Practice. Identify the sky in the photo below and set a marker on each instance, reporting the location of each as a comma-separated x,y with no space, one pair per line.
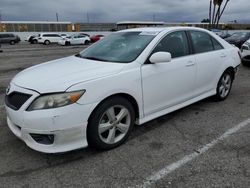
118,10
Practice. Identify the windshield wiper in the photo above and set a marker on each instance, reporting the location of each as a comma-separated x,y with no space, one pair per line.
93,58
78,55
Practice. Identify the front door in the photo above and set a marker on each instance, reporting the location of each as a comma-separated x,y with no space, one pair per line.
171,83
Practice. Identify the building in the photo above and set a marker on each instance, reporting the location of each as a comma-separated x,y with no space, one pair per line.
30,26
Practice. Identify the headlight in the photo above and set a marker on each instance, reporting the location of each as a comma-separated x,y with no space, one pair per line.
55,100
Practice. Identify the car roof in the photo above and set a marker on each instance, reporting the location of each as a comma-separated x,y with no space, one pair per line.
161,29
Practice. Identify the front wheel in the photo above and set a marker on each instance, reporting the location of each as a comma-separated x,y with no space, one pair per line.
46,42
224,86
86,42
110,124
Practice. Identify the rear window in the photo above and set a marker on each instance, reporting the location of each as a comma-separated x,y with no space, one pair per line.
201,41
217,45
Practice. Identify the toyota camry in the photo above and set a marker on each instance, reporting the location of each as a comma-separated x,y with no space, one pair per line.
94,98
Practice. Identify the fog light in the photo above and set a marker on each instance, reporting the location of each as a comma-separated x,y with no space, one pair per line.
43,139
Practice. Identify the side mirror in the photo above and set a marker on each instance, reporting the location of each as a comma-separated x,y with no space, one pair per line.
160,57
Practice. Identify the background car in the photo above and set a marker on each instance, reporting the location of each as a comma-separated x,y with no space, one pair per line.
238,39
33,39
63,35
95,38
75,40
245,53
9,38
48,38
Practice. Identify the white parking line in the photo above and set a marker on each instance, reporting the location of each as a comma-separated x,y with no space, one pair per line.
174,166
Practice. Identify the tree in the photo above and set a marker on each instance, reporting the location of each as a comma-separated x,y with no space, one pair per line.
205,20
217,12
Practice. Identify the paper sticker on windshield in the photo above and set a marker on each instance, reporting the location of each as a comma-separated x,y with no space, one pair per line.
154,33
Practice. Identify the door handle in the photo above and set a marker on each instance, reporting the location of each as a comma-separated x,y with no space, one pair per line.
190,63
223,55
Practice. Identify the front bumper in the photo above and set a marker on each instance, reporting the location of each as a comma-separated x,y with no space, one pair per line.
67,124
62,42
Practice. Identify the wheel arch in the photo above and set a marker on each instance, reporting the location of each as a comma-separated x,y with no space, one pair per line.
231,71
129,97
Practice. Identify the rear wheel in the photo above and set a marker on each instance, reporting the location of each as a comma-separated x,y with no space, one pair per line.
224,86
110,124
86,42
12,42
46,42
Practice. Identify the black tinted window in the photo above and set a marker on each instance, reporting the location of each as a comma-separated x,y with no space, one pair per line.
4,35
51,35
175,43
217,45
202,42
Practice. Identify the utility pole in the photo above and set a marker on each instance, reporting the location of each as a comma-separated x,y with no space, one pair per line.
0,15
87,17
57,17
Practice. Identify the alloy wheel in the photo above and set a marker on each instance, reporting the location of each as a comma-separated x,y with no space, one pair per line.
225,85
114,124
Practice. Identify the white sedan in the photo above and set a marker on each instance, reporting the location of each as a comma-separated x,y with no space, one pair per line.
132,76
75,40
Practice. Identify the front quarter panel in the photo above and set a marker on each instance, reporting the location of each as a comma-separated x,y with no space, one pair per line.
127,81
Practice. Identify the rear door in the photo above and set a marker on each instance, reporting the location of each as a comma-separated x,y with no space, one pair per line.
210,57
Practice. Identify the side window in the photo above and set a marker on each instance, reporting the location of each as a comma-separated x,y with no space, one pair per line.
202,42
175,43
217,45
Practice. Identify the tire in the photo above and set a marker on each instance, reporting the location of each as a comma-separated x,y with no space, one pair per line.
35,41
67,43
12,42
118,116
86,42
46,42
224,86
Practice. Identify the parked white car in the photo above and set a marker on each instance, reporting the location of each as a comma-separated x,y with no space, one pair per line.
245,53
75,40
131,76
48,38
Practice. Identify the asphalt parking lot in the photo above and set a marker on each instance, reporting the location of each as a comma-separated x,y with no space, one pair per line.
206,144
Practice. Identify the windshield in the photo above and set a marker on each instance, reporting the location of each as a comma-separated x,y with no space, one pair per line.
121,47
238,35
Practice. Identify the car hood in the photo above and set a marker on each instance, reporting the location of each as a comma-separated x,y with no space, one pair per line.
59,75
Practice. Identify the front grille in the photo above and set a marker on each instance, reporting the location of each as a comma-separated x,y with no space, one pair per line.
15,100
